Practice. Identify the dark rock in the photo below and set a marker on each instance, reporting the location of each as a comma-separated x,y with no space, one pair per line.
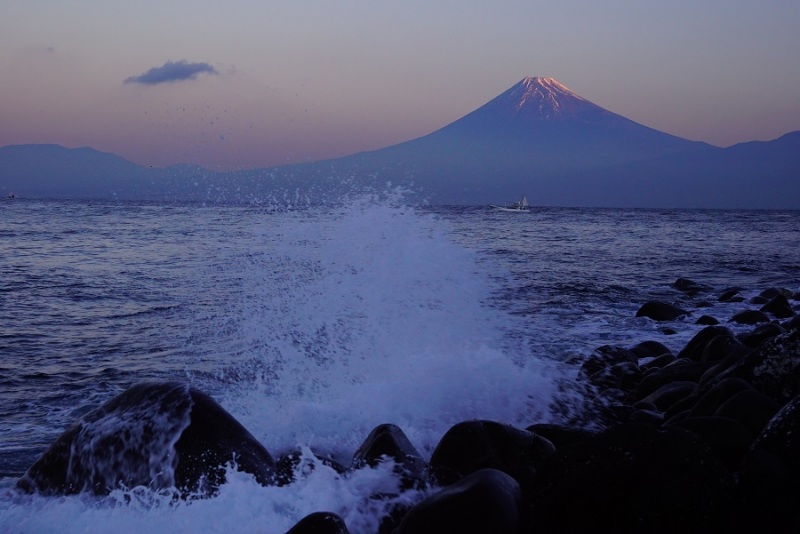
772,292
158,435
707,320
293,461
320,523
634,478
696,347
610,396
685,404
642,405
214,438
689,286
560,435
729,294
773,368
473,445
751,408
624,375
779,307
660,311
679,370
604,357
670,393
771,477
389,441
676,417
715,395
728,439
781,436
657,363
613,414
792,324
721,367
647,417
750,317
719,348
650,349
487,500
760,333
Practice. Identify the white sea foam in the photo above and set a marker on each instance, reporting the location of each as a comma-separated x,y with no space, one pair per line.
241,506
370,316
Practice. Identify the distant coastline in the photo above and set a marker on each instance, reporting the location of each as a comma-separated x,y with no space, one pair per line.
538,137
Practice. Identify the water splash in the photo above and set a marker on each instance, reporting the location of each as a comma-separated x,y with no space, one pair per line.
368,314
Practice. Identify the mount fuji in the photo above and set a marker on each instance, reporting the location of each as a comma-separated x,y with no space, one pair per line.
544,140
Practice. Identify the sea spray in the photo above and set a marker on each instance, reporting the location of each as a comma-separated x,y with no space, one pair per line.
242,505
371,314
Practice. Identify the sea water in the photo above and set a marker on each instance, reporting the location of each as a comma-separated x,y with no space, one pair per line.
314,325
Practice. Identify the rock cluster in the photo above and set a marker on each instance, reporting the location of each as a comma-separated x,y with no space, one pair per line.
705,440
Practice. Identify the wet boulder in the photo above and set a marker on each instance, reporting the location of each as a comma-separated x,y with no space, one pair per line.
714,395
302,462
779,307
623,375
707,320
680,370
760,334
560,435
697,348
751,408
727,438
731,295
771,476
320,523
773,368
660,311
603,358
781,436
750,317
793,323
772,292
387,441
665,396
487,500
650,349
689,286
473,445
657,363
158,435
634,478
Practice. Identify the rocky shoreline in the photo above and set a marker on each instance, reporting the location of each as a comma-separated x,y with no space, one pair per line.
705,440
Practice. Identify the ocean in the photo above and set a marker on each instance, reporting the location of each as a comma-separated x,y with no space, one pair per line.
312,325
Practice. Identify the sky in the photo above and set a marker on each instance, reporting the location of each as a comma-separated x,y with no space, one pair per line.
254,83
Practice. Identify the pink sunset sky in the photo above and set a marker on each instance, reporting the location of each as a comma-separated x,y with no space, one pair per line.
246,83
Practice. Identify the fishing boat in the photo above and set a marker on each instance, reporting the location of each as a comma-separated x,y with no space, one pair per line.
518,207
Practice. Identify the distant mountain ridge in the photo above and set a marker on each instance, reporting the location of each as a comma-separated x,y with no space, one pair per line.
538,137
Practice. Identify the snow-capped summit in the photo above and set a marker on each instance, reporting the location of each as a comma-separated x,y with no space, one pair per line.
543,99
533,103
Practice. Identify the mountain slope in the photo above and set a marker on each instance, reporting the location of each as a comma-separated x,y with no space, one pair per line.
53,171
529,138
